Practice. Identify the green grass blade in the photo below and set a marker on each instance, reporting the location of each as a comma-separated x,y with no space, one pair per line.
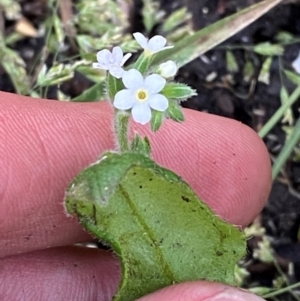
205,39
95,93
279,113
281,291
14,65
286,150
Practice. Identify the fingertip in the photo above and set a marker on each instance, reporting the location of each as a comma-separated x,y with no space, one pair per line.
65,273
223,160
200,291
47,143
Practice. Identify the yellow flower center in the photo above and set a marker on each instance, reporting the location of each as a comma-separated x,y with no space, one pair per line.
142,95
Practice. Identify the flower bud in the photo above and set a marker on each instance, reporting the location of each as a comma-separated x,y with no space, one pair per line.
167,69
296,64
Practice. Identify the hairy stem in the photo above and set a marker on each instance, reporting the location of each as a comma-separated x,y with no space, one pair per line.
121,131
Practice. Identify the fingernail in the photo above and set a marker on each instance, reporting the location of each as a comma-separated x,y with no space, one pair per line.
234,295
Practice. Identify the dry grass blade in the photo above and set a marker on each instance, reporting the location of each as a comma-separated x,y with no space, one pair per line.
205,39
66,11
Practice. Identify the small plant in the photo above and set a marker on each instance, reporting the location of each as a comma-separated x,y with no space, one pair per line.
144,211
154,222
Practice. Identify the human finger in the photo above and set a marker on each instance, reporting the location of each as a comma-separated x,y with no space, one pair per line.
76,273
200,291
46,143
65,273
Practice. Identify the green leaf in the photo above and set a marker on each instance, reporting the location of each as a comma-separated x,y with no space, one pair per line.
177,18
232,65
93,74
141,145
15,68
174,111
90,44
191,47
94,93
58,28
293,77
287,150
55,75
248,70
264,75
156,120
178,91
143,62
114,85
87,43
162,233
278,114
284,37
268,49
150,14
288,115
130,45
284,95
106,19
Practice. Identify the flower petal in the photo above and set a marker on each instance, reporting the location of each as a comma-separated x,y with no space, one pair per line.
154,83
158,102
133,79
141,39
104,57
116,71
124,100
141,112
168,47
117,55
156,43
125,58
98,66
296,64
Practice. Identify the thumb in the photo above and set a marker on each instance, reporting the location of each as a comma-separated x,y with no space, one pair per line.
200,291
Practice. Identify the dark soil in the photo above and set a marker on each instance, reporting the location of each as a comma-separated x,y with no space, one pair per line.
281,216
251,102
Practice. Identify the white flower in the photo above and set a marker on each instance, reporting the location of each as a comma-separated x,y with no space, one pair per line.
296,64
167,69
141,95
112,61
154,45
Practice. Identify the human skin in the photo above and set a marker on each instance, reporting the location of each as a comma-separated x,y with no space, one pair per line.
45,143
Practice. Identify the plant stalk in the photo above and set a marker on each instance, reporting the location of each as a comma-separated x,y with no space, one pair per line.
121,130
